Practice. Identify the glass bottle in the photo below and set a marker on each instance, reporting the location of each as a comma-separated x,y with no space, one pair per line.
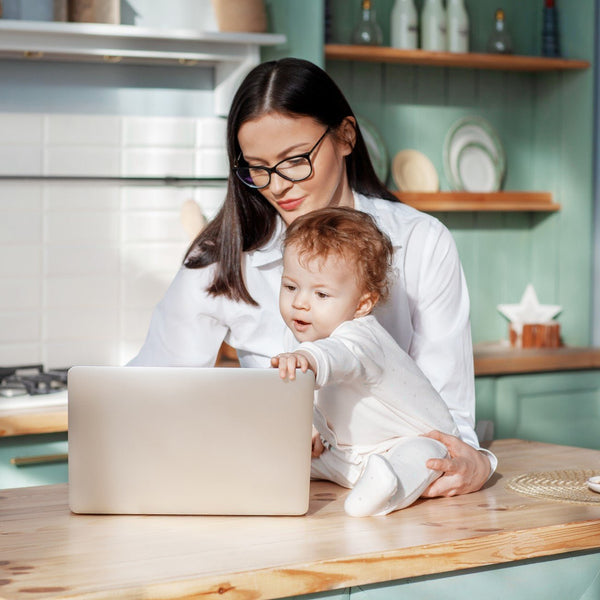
500,41
433,26
404,25
367,32
457,26
550,35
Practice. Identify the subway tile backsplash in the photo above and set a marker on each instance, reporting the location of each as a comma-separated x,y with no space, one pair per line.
83,262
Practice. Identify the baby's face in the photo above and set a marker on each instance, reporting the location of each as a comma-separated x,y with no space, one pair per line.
317,296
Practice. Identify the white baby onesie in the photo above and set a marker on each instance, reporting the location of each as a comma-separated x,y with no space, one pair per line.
372,404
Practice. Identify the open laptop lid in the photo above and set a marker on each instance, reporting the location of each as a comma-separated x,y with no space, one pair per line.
178,440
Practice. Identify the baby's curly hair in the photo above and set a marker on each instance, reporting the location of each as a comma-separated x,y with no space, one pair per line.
351,234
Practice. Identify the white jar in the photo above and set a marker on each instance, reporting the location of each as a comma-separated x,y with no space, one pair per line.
404,25
433,26
457,21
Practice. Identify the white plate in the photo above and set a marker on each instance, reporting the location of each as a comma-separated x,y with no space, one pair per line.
471,130
376,147
594,483
414,172
477,170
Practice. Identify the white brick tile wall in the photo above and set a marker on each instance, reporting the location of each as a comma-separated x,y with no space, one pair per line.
19,326
21,160
20,196
84,291
20,227
65,261
81,227
211,132
157,162
155,132
21,353
211,162
21,129
20,293
20,260
83,263
83,130
82,160
81,324
81,197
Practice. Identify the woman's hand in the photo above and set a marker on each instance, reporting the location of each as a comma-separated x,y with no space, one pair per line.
317,444
288,362
465,471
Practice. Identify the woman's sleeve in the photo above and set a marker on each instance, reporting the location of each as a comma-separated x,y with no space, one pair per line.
182,331
441,344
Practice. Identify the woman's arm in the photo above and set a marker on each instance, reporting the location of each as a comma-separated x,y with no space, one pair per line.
442,348
182,331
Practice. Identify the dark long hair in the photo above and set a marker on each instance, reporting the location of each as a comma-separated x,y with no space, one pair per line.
246,221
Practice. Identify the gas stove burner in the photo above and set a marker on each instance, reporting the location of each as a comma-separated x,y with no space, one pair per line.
31,380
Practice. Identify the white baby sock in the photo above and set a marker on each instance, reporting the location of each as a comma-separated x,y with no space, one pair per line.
395,482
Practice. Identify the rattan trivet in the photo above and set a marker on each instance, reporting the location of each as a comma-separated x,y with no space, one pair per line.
567,486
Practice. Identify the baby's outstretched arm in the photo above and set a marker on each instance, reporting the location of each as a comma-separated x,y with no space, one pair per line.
288,362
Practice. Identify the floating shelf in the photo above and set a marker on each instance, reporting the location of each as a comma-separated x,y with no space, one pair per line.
496,358
470,60
475,201
232,55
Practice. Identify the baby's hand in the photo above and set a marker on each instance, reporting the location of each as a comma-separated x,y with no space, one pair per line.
288,362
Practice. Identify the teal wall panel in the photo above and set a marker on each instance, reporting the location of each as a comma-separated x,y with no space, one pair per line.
303,25
544,121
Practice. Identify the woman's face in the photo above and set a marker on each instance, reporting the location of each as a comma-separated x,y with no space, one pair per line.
273,137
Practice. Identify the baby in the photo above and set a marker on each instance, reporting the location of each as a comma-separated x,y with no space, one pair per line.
373,402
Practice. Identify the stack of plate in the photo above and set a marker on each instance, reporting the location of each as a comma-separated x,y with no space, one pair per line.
474,158
414,172
376,148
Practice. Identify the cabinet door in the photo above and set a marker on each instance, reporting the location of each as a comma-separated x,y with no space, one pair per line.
561,408
45,461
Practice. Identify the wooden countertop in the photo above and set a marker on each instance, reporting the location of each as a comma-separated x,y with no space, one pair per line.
49,552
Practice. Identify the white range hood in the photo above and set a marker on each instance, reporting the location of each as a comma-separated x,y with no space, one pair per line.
232,55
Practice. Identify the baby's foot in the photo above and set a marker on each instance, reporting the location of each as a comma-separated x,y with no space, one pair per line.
374,490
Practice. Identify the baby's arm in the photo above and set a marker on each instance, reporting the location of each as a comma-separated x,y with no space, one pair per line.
288,362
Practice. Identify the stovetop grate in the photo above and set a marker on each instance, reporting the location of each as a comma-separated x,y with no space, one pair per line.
32,380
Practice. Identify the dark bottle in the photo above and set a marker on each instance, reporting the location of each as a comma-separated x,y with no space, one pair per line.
500,41
550,34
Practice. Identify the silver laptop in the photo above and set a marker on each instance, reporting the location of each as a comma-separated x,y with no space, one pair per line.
151,440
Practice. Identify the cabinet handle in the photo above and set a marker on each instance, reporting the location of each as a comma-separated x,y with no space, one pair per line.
27,461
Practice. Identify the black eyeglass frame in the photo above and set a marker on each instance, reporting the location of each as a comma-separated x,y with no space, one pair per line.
271,170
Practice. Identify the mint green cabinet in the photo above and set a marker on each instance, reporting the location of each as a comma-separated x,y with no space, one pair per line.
571,577
34,447
560,407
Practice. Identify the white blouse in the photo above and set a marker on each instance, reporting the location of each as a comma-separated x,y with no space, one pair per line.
427,312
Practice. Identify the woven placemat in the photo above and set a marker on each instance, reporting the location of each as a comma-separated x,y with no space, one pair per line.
566,485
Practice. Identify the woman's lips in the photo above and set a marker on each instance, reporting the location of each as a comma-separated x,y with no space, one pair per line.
290,204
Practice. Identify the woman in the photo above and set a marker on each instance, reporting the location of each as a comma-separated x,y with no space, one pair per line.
294,146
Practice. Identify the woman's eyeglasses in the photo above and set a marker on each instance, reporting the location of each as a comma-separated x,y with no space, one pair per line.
294,168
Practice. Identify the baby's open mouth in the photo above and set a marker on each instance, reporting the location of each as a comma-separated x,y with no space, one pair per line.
298,324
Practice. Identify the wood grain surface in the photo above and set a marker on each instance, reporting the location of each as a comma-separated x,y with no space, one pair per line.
51,553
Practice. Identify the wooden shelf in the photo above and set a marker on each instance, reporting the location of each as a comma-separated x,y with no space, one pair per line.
471,60
497,358
474,201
